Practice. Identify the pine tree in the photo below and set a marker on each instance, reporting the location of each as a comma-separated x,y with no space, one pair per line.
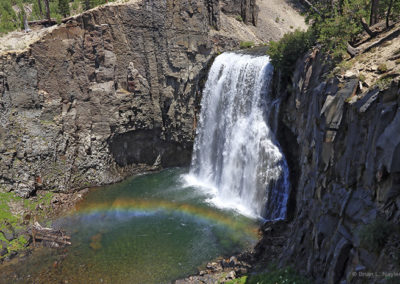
87,4
63,7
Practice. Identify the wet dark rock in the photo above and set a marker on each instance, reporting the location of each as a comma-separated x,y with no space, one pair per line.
222,270
3,251
11,255
366,101
8,233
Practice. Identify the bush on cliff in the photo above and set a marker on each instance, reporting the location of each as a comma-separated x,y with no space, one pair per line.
285,52
335,26
246,44
374,236
278,276
89,4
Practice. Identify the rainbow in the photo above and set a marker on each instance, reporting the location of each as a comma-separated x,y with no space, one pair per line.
152,206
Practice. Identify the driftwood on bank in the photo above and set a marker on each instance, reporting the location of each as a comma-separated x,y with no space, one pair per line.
56,238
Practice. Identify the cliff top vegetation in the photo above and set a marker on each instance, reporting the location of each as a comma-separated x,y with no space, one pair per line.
13,12
343,29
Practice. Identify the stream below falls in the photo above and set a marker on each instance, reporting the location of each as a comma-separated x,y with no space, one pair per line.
151,228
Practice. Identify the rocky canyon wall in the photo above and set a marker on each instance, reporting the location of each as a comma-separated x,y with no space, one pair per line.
343,144
246,9
106,94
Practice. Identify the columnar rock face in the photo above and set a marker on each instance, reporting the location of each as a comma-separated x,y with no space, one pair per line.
346,155
247,9
109,93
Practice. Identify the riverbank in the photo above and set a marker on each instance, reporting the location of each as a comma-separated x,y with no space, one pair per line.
18,215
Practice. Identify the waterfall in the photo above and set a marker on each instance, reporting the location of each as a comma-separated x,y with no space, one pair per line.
236,157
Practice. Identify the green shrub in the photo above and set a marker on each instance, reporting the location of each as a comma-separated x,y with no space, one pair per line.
285,52
89,4
278,276
382,68
374,236
385,80
239,18
241,280
246,44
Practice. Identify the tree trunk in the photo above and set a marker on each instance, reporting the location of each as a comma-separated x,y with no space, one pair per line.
337,5
26,26
40,9
366,28
351,50
388,13
374,12
46,2
312,7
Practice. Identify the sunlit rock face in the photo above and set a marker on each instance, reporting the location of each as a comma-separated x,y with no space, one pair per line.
105,83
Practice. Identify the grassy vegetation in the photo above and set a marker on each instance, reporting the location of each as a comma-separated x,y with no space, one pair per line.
278,276
239,18
384,81
382,68
241,280
246,44
374,236
273,276
10,221
6,198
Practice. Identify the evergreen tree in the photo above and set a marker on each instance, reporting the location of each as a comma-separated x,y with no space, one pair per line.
63,7
87,4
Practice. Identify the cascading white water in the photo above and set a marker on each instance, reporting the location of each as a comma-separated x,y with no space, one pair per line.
235,156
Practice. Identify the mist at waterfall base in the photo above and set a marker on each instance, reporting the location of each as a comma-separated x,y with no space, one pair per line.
236,158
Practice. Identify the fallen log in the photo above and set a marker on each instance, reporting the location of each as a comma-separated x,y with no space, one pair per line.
44,22
41,236
40,233
54,239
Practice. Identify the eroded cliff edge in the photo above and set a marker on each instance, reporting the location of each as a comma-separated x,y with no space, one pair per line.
108,93
342,142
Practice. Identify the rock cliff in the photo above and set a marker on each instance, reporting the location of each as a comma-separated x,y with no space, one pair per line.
106,94
246,9
343,146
